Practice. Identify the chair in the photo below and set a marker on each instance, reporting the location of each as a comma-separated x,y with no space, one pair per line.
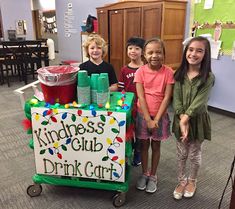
22,58
10,63
34,56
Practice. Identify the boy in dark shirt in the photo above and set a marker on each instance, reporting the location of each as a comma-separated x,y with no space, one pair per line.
96,48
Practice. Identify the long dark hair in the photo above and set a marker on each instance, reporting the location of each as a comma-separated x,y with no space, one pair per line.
205,67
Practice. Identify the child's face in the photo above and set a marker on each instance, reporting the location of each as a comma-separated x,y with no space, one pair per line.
154,55
195,53
134,52
95,52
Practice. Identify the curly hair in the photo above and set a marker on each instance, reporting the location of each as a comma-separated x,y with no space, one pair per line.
100,42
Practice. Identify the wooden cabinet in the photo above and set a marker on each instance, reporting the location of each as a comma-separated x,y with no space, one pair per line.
102,15
116,40
151,21
147,19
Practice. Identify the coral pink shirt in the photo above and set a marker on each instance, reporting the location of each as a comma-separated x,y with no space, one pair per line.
154,84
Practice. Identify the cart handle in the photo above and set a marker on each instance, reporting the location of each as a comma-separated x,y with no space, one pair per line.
20,91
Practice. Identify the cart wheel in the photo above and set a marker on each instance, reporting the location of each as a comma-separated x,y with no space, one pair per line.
34,190
119,199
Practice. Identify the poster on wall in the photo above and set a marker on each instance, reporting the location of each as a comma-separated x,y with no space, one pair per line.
79,143
233,51
208,4
69,21
215,48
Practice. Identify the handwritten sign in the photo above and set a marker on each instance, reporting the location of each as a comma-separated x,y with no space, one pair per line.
79,143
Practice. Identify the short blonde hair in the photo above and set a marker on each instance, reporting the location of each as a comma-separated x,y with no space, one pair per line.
100,42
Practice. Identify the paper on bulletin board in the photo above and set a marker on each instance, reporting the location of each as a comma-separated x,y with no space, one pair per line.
215,48
233,51
222,11
208,4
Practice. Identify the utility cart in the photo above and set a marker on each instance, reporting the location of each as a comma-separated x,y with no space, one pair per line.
81,146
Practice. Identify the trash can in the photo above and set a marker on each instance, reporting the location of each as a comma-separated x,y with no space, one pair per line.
58,83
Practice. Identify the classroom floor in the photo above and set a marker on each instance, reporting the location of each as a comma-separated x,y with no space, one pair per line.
18,167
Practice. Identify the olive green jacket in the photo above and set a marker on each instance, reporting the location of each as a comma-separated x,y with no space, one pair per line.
187,99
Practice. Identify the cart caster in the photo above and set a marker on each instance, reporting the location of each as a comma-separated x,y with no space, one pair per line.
34,190
119,199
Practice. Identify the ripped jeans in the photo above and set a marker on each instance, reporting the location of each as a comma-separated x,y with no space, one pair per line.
191,150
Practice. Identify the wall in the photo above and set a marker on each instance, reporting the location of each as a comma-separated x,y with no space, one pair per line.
222,95
13,11
70,47
43,5
50,6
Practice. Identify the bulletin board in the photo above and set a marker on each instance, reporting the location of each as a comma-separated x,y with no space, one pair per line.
223,11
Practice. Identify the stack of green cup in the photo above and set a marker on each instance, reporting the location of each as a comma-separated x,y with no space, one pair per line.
107,76
102,90
94,86
83,88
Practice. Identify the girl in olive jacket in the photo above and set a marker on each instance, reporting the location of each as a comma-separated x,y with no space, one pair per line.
191,124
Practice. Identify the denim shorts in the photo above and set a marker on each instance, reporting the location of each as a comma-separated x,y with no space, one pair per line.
157,134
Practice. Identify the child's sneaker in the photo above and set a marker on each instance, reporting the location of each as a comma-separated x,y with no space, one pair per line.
141,182
136,159
152,185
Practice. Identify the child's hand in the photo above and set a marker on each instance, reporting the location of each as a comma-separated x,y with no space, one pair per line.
156,123
184,127
151,124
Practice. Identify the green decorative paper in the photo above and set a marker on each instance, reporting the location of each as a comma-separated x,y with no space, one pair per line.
223,11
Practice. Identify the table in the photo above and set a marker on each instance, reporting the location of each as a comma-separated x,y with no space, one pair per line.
22,58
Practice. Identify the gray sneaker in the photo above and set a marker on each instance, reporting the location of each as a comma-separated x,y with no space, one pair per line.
152,185
141,182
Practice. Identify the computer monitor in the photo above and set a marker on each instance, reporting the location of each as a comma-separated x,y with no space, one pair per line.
11,35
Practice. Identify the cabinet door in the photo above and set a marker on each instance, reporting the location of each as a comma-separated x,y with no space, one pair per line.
116,39
151,21
173,32
102,16
132,27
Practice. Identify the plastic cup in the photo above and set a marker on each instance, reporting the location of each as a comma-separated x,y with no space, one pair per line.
94,81
105,75
83,80
102,84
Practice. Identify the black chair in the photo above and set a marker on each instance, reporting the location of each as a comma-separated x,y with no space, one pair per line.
22,58
10,63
